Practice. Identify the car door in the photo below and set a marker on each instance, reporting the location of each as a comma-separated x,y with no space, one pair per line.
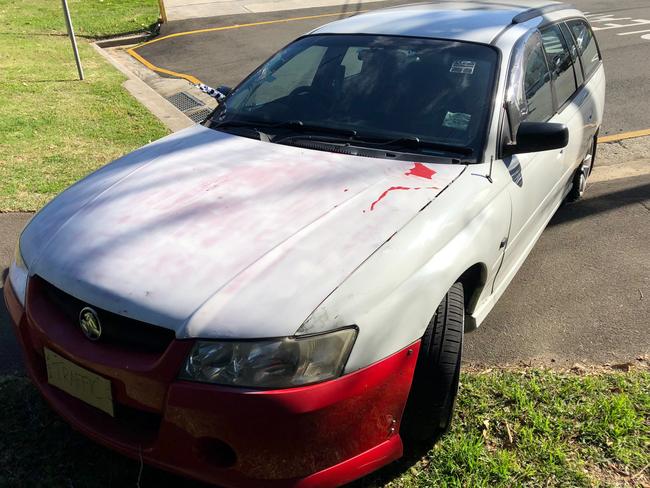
581,98
591,77
535,176
573,108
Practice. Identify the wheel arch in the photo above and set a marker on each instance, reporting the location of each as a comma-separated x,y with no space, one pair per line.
473,280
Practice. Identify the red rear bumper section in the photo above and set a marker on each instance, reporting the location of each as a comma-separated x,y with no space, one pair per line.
320,435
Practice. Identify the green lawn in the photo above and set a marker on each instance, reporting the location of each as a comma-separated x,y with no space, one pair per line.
91,18
513,428
54,128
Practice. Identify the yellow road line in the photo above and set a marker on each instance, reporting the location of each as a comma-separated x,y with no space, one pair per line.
625,135
193,79
153,67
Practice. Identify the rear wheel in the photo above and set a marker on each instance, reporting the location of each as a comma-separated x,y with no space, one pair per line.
431,401
582,173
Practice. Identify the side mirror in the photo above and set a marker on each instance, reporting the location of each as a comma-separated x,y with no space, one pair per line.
514,119
538,136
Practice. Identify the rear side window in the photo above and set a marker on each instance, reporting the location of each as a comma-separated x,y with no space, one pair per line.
573,49
537,84
587,46
560,63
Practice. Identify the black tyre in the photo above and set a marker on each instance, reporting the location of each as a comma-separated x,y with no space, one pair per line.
431,402
582,173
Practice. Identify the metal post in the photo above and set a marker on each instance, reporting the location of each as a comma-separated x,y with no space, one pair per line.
72,38
163,12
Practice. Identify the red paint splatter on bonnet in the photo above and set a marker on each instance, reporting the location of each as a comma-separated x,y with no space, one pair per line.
421,171
381,197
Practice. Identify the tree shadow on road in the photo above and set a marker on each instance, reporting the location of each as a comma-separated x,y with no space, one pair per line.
605,201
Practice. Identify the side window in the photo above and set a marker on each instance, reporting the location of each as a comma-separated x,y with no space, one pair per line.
587,46
559,60
575,57
537,86
296,72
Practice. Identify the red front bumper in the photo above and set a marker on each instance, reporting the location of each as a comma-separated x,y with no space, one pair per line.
319,435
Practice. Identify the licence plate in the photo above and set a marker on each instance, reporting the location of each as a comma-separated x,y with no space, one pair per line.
79,382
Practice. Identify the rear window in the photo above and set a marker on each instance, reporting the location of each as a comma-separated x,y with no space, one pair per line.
587,46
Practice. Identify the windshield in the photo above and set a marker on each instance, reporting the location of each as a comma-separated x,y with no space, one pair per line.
383,88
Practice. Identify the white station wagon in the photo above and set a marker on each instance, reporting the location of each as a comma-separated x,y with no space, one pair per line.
278,296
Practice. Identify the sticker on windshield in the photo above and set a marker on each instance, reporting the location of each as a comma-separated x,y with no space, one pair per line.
463,67
456,120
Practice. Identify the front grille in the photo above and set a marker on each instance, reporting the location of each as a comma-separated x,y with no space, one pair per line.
116,329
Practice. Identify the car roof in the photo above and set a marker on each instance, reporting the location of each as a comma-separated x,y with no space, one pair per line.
476,21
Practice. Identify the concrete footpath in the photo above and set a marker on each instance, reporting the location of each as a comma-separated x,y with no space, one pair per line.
195,9
582,296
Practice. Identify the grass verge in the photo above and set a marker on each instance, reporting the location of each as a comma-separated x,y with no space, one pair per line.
91,18
512,428
56,129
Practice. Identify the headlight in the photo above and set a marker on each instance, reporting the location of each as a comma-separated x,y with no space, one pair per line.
273,363
18,275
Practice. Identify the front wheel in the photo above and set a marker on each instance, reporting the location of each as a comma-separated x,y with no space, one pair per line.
431,401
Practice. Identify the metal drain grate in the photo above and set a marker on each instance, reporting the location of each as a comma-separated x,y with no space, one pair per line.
184,101
199,115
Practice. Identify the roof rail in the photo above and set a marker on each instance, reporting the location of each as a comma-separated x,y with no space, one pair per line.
531,13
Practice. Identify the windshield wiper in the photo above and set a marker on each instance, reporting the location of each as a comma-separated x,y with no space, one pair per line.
349,136
417,143
352,136
301,127
295,125
244,124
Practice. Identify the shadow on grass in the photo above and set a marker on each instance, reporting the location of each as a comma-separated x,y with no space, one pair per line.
68,80
152,30
412,454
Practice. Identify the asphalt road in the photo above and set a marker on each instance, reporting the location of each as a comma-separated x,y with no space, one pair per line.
582,296
225,57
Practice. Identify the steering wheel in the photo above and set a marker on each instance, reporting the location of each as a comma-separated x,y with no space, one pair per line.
317,97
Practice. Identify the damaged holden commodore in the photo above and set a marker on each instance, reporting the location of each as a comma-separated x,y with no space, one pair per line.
278,296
